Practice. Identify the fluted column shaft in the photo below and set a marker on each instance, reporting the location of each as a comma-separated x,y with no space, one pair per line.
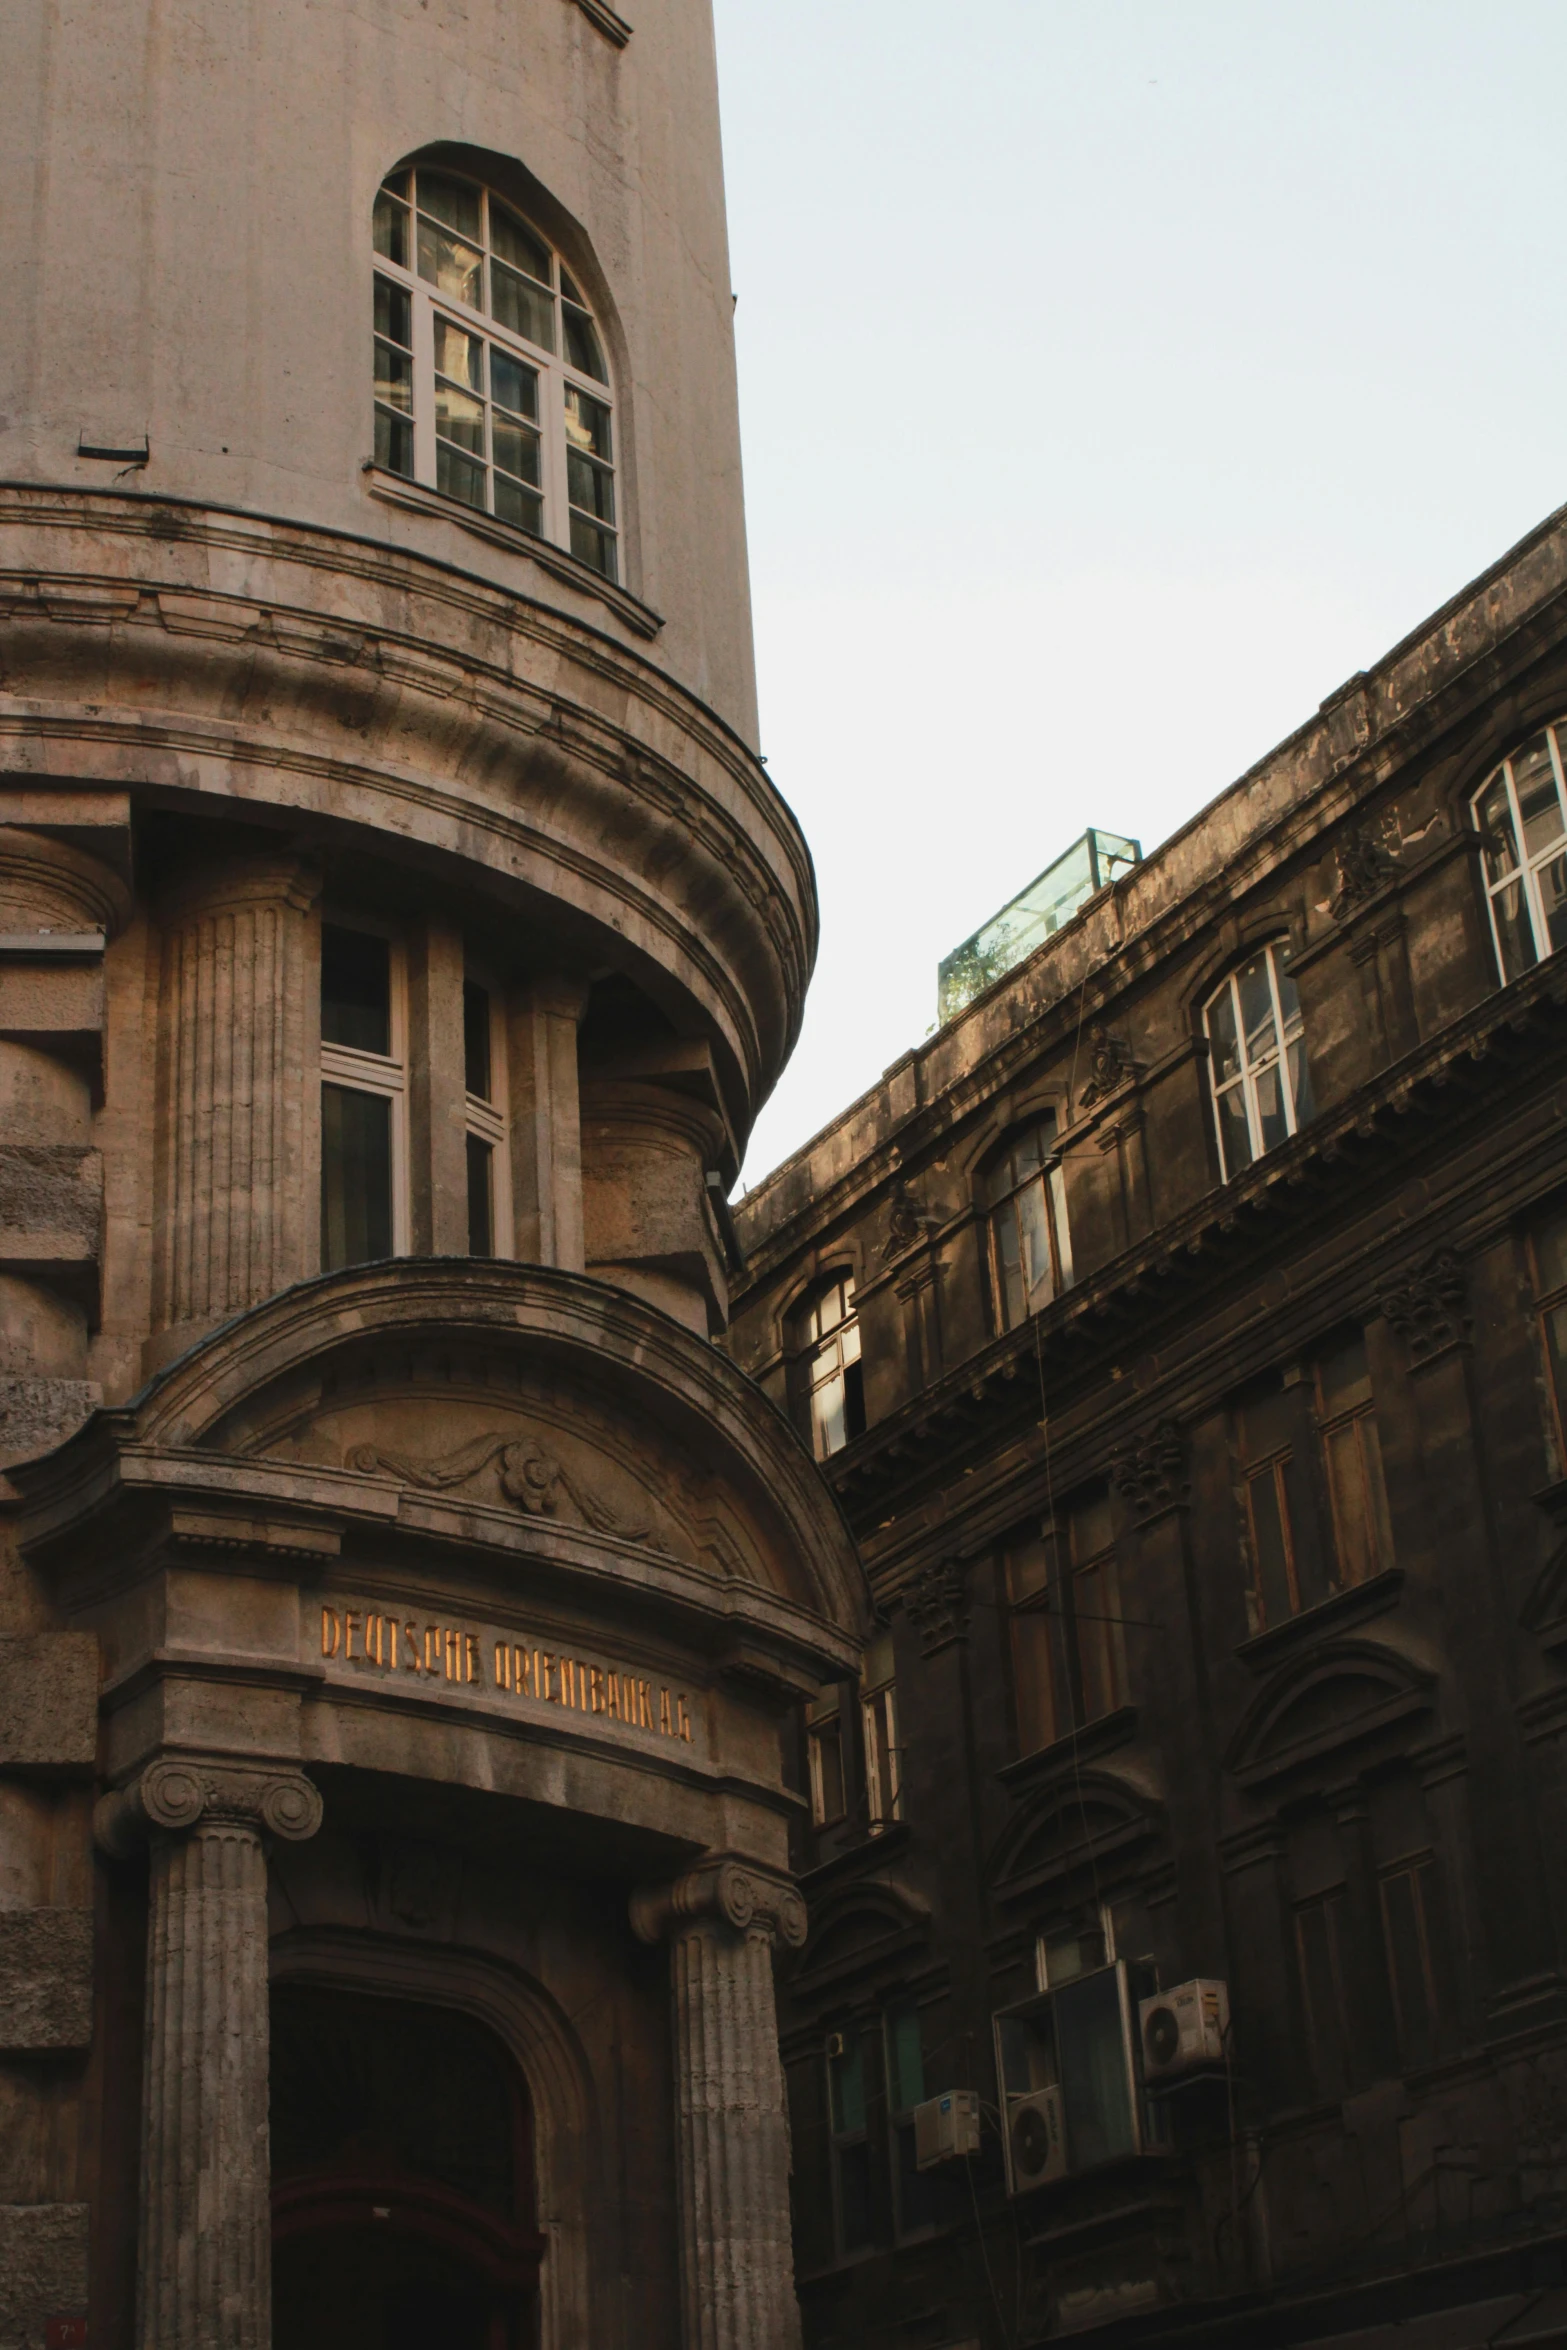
204,2263
732,2130
236,1220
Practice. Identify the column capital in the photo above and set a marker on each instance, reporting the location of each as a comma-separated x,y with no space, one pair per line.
176,1793
724,1890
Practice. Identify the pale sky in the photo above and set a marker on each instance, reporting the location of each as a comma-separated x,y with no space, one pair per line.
1116,378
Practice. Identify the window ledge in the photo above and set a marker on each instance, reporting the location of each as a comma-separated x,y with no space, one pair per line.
1064,1754
865,1850
1372,1598
415,498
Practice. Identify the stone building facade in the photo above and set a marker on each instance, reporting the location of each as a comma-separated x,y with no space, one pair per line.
1181,1328
400,1593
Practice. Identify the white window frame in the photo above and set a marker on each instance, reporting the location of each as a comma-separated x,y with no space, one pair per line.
1050,1177
490,1120
1248,1072
555,372
1526,868
830,1356
883,1803
387,1075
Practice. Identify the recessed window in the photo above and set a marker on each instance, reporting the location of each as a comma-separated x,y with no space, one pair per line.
363,1095
847,2119
1068,1657
1521,815
824,1741
833,1377
484,1112
490,379
1352,1457
1548,1261
879,1717
1296,1562
1030,1247
1256,1042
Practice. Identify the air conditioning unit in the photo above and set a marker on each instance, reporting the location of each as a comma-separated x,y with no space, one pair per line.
1036,2140
1183,2029
946,2128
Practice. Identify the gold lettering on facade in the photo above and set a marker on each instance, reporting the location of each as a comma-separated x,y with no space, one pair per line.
472,1662
331,1631
411,1662
350,1627
612,1695
665,1724
595,1689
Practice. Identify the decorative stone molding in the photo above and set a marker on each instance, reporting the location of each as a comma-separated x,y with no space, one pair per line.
176,1794
735,1893
528,1476
1150,1474
1110,1065
1364,867
1429,1306
936,1601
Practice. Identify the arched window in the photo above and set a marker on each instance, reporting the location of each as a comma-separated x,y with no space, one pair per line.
490,379
1521,813
1261,1089
1030,1247
832,1381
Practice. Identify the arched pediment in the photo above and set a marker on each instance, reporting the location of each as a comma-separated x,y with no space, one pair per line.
503,1404
1072,1825
856,1931
1334,1699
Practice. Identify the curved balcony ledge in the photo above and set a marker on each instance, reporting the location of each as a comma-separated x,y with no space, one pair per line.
195,654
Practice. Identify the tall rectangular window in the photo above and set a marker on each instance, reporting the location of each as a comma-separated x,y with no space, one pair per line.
1283,1577
1318,1946
484,1065
1068,1654
879,1716
918,2197
1352,1457
1408,1899
1548,1262
824,1740
363,1096
851,2152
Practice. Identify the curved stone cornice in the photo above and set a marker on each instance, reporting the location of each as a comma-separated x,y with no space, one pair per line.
742,1894
180,1792
569,1324
184,652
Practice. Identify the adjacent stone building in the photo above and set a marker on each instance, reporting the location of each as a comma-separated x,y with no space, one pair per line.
1183,1328
400,1593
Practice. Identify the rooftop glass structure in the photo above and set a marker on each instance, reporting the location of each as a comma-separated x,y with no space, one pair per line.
1011,936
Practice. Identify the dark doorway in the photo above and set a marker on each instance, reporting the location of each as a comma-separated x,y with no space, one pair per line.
402,2179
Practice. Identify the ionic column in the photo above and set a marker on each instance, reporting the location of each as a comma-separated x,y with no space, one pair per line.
204,2258
732,2131
238,1211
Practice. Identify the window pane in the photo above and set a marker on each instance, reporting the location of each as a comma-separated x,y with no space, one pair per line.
1270,1545
1234,1130
393,312
512,385
516,243
523,507
1272,1124
1095,2090
594,546
524,309
356,1177
1539,804
1222,1037
476,1039
1034,1240
1034,1679
456,202
827,1770
394,443
1514,933
391,229
394,377
881,1754
846,2084
459,477
1551,881
448,263
515,449
828,1433
1494,817
582,344
481,1198
459,356
1316,1929
905,2061
1403,1916
592,488
1009,1266
1257,1010
356,989
1300,1080
587,424
1353,1515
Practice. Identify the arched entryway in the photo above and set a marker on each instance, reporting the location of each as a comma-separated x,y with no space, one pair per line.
403,2204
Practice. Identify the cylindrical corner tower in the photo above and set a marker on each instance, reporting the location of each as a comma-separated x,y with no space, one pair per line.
398,932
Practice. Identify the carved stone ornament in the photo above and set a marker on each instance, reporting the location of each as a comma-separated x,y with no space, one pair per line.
1150,1475
1363,867
531,1478
1110,1064
739,1894
176,1794
1429,1306
936,1601
906,1225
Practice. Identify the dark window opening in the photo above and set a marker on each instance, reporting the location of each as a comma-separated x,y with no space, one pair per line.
481,1198
476,1039
356,990
356,1177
